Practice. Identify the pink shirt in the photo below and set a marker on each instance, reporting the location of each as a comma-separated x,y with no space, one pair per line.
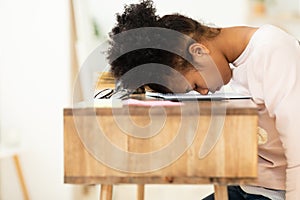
269,70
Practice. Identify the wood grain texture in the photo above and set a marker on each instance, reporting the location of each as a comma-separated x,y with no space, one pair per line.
233,159
140,192
106,192
105,80
221,192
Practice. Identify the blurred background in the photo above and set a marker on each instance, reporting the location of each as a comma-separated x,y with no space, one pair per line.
42,45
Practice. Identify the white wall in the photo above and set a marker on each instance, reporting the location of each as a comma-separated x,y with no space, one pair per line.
221,13
34,70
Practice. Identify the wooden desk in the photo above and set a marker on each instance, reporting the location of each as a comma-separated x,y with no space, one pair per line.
233,160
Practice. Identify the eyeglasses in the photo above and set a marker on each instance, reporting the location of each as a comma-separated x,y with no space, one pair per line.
104,94
121,93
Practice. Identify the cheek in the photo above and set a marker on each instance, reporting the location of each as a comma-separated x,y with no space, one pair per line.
179,84
212,77
211,74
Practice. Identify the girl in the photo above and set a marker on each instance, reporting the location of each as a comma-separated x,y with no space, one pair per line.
266,64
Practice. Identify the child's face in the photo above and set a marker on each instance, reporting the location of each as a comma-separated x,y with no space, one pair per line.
193,79
205,76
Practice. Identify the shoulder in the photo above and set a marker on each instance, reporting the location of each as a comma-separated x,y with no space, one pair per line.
271,42
272,36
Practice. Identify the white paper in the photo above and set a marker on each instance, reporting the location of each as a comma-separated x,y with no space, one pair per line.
197,96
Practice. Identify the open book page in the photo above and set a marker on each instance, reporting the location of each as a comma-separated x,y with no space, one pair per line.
193,95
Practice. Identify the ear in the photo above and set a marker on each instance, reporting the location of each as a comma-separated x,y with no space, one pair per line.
197,49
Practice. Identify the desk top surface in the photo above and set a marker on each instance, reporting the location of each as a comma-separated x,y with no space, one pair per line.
228,107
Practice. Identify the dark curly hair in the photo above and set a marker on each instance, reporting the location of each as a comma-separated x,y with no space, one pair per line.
132,45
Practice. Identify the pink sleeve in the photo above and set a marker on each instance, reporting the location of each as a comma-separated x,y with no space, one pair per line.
281,93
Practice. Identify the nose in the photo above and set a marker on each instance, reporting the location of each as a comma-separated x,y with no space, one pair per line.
203,91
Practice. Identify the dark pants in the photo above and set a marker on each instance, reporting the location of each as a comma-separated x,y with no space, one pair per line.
236,193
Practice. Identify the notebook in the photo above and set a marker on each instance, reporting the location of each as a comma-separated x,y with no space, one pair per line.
198,97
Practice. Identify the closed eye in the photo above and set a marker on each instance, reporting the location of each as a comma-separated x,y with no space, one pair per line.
195,87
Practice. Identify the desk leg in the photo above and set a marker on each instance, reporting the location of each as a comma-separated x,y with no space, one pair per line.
140,191
21,178
106,192
221,192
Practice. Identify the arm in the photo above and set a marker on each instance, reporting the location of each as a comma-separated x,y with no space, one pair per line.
281,90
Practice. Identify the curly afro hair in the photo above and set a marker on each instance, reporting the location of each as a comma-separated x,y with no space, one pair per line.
140,37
